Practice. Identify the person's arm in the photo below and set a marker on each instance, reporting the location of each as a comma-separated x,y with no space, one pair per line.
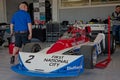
11,29
30,31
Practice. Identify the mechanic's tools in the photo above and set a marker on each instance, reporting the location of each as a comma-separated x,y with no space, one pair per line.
105,62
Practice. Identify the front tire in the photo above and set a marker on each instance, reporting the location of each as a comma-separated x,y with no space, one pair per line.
90,56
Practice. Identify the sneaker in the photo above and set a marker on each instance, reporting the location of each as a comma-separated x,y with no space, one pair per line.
12,60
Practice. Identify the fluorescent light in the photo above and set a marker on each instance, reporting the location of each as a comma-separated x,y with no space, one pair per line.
74,0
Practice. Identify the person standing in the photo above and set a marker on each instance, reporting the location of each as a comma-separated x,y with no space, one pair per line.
21,28
116,22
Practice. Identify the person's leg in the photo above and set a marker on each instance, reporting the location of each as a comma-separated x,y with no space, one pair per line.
16,48
119,33
114,30
25,38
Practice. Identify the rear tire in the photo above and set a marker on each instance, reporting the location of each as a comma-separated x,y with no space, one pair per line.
31,47
112,44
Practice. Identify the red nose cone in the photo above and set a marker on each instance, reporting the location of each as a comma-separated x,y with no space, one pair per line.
56,47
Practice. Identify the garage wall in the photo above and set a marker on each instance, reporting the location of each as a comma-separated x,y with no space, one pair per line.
2,11
12,6
71,15
85,14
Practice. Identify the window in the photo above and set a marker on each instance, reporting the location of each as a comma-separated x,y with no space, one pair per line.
79,3
99,2
70,3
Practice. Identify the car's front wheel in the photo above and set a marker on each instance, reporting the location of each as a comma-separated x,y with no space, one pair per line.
90,56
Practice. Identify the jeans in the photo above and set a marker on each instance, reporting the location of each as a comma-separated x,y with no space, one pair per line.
116,32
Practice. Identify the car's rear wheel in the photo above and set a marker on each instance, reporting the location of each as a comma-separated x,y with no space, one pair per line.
31,47
112,44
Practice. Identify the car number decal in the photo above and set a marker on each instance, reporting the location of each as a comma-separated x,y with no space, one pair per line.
30,58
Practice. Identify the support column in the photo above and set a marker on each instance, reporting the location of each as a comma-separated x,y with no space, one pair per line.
3,11
55,10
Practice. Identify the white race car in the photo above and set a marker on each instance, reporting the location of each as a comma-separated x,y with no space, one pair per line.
68,56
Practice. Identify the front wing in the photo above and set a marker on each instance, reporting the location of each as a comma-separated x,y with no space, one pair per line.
72,65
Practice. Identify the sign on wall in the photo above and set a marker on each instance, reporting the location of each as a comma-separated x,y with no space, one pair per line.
39,12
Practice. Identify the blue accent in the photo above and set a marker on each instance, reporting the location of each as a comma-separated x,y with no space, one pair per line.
21,65
96,49
17,69
77,50
76,63
62,72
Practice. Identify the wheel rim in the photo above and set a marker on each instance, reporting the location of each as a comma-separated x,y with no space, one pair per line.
94,56
114,45
36,48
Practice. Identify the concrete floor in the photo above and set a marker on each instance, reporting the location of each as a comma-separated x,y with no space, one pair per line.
112,72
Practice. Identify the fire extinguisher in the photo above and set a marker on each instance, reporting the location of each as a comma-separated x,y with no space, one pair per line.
12,45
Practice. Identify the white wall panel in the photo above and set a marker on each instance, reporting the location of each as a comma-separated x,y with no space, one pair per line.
2,11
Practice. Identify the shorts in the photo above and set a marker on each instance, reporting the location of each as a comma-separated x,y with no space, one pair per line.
21,39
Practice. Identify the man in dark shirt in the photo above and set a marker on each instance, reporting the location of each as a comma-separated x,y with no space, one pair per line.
116,22
21,27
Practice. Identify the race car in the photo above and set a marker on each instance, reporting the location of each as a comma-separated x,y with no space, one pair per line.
68,56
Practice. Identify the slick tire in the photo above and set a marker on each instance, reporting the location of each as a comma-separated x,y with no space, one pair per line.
31,47
112,44
90,56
